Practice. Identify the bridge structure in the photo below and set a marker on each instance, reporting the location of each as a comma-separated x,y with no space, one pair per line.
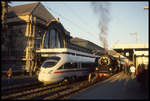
137,53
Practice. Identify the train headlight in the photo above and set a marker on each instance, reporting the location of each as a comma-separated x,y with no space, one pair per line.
97,69
110,69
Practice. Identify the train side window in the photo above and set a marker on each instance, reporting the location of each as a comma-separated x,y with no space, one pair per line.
87,65
79,65
49,64
70,65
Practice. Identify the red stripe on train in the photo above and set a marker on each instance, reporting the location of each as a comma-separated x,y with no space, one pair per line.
70,71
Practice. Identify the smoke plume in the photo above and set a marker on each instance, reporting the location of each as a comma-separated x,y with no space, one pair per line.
102,10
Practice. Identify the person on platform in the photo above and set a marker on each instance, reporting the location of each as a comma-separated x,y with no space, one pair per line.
132,70
9,75
125,68
128,69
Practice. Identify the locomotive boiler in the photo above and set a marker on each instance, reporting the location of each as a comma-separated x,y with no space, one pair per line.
107,64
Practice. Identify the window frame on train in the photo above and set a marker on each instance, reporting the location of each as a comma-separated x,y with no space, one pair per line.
77,65
68,65
53,59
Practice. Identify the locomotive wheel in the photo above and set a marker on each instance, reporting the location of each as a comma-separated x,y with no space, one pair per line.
115,70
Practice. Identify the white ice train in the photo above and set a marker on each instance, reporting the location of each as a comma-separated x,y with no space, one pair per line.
60,67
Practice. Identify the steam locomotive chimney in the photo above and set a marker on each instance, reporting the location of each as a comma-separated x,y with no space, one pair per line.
102,10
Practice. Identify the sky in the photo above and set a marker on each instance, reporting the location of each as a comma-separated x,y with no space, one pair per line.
81,21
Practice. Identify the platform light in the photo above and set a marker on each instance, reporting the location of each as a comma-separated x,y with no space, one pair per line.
127,53
146,7
136,36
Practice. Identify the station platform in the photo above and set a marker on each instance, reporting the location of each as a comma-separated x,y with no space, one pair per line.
119,87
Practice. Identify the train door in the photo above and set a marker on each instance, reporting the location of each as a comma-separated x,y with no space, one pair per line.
79,72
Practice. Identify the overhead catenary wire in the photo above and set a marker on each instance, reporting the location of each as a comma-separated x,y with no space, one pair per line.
69,21
76,25
80,18
76,14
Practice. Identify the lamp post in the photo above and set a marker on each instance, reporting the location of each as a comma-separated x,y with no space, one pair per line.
136,36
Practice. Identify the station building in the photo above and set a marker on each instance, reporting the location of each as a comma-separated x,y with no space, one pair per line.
30,28
137,53
23,35
87,44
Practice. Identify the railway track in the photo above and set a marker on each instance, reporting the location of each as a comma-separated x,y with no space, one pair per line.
19,88
83,86
25,90
52,91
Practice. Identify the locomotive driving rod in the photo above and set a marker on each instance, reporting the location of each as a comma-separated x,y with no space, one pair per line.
95,76
92,77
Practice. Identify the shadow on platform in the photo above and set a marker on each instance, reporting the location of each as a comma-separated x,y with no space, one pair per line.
119,87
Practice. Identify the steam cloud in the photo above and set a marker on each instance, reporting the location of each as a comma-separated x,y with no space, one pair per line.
102,10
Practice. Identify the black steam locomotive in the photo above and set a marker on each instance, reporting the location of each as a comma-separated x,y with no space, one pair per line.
107,64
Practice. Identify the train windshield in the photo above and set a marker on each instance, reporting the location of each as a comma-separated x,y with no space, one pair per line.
52,61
